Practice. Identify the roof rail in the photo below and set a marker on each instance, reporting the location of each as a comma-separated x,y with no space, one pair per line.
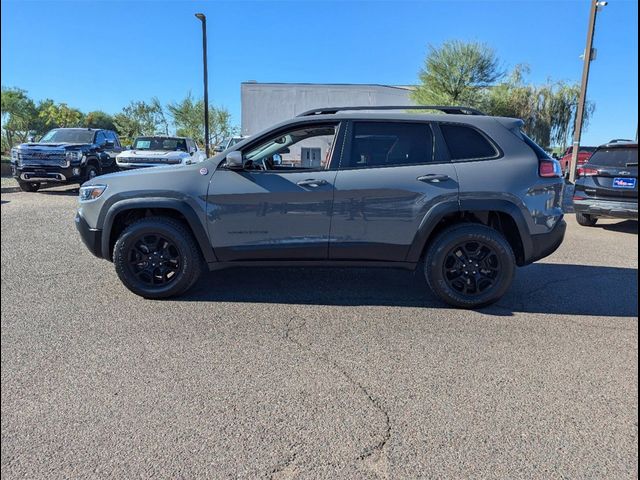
457,110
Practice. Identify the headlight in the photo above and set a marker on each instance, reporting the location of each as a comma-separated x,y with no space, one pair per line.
74,155
91,192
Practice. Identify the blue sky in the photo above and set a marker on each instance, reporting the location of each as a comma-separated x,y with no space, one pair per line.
100,55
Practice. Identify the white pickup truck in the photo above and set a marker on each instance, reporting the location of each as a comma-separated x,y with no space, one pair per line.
155,151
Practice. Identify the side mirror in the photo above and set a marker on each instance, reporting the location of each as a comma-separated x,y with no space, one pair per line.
31,139
128,147
108,144
218,149
235,161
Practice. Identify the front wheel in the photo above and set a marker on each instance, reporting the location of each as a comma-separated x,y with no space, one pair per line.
91,172
586,220
469,266
157,257
29,186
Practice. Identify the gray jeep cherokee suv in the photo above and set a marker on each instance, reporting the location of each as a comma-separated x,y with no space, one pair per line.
463,196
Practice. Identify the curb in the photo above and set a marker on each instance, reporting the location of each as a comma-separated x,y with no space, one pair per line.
10,189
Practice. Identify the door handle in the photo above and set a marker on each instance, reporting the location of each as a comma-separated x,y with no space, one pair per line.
433,178
311,182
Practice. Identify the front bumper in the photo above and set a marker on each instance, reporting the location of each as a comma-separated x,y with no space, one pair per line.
47,173
545,244
91,237
607,208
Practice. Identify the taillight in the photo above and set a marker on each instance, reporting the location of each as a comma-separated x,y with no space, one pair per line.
586,171
550,168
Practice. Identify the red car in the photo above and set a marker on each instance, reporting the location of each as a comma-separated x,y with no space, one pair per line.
584,154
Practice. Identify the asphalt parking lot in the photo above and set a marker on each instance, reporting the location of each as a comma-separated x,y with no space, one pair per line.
285,373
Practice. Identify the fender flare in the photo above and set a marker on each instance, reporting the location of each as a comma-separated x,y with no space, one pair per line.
168,203
441,210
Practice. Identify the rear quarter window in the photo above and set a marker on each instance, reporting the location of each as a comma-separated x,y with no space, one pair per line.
467,143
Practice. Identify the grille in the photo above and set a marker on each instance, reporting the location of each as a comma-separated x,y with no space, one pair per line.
35,158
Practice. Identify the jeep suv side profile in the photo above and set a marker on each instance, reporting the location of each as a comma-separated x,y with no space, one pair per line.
464,197
65,156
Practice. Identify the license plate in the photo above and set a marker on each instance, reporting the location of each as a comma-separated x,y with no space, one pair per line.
622,182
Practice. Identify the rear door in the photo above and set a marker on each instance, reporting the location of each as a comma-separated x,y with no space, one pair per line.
612,173
390,175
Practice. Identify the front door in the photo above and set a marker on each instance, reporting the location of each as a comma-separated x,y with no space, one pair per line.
276,208
391,175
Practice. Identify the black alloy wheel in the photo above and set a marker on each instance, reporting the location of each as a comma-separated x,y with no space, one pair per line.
469,265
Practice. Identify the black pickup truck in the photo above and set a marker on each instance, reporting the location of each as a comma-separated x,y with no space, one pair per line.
65,156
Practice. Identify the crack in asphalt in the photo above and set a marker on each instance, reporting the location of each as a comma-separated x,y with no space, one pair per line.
371,451
283,468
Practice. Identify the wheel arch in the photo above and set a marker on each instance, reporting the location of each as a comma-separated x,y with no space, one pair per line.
502,215
124,212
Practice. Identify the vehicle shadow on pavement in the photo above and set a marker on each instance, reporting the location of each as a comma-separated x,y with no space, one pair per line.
629,226
539,288
57,191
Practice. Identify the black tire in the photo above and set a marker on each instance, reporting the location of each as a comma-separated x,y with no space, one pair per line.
480,279
586,220
90,172
29,186
166,271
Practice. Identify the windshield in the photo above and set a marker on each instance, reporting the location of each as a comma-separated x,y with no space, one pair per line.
615,157
155,143
68,136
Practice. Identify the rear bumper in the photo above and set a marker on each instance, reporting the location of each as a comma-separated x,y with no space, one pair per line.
545,244
91,237
607,208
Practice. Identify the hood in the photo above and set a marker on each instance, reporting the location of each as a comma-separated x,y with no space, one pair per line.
160,175
53,146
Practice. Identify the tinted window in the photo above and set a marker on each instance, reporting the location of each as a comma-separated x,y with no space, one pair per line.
466,143
615,157
100,138
377,144
112,137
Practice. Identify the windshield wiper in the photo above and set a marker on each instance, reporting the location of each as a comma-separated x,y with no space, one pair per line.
634,164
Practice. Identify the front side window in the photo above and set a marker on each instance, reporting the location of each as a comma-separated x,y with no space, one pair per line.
466,143
113,138
381,144
306,147
100,138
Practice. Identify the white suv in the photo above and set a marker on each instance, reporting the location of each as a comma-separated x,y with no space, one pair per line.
159,150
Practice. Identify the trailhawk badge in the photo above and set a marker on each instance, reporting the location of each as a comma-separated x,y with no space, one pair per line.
204,171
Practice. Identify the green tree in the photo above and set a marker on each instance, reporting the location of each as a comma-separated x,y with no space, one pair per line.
56,115
459,73
188,117
141,118
19,116
456,73
99,119
548,110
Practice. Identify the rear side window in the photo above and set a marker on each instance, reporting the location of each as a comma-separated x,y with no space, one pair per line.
615,157
466,143
380,144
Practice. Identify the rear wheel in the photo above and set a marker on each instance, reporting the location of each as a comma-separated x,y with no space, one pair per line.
29,186
469,265
586,220
157,257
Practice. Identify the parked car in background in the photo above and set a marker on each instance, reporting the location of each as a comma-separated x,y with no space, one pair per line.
228,143
583,155
607,185
154,151
65,156
441,193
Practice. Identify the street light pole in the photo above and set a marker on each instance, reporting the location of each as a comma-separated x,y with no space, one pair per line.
588,57
203,19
